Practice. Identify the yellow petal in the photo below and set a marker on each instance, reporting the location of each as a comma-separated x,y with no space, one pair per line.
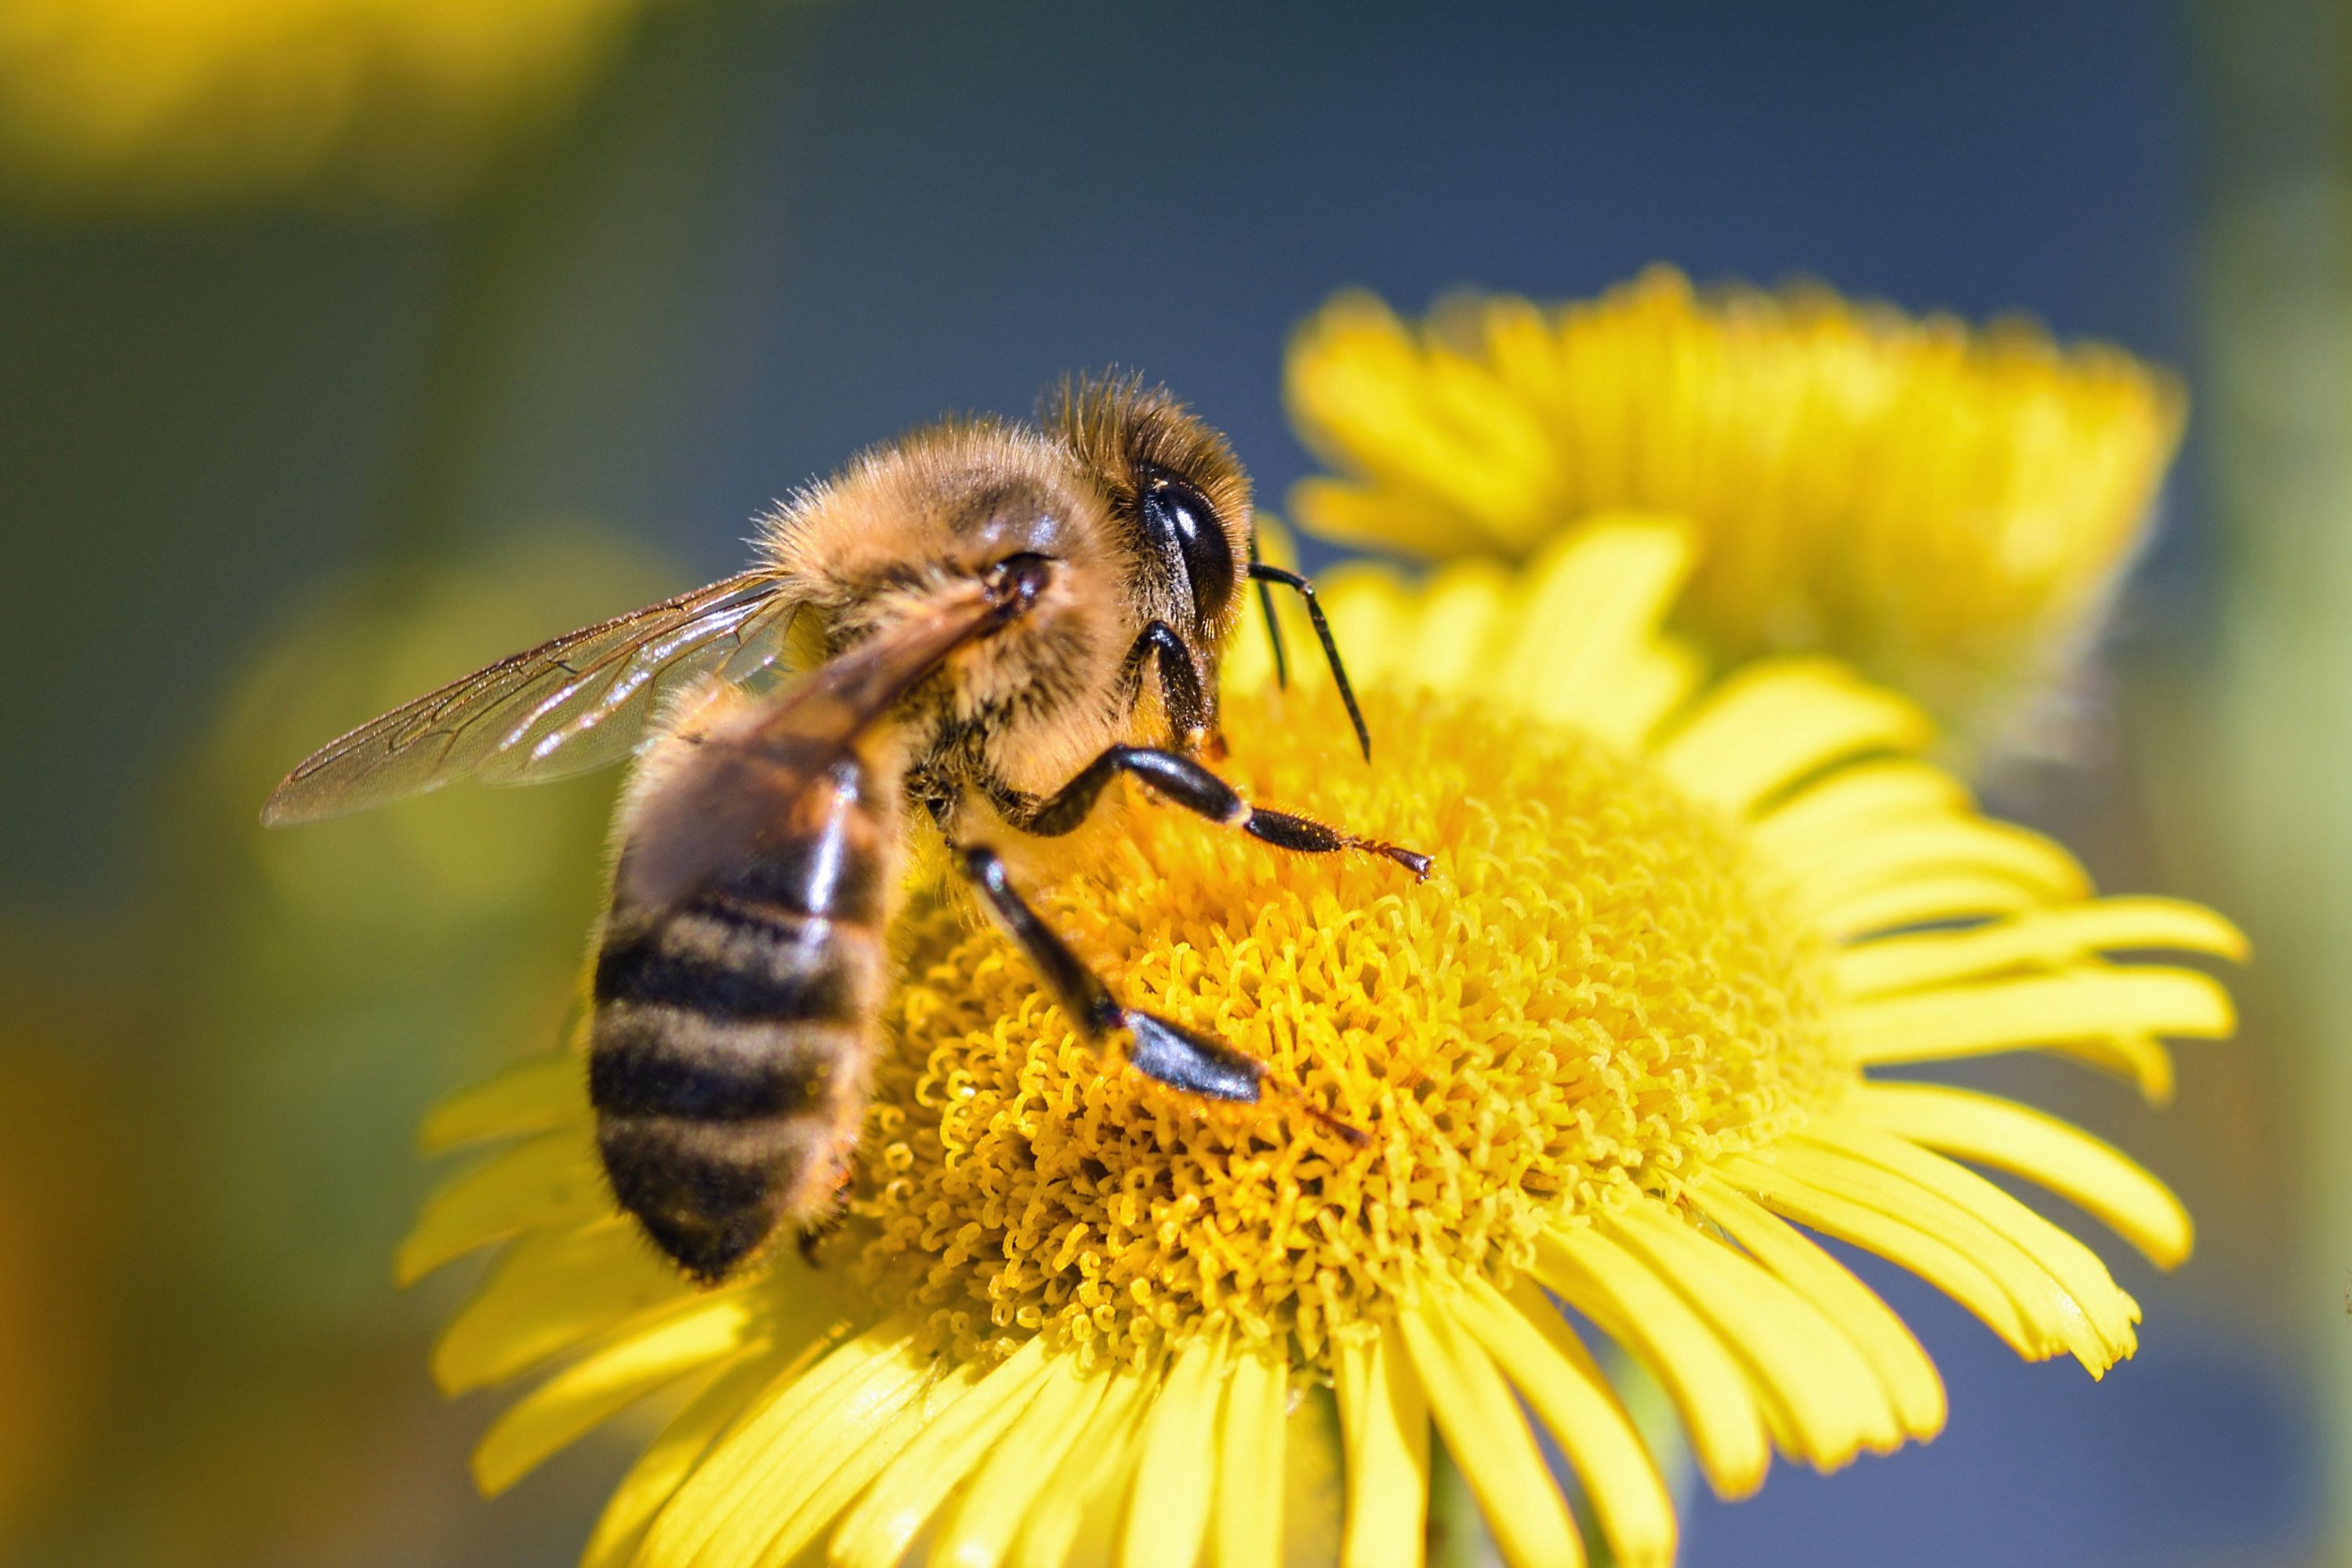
1918,900
1168,1512
548,1293
1588,620
672,1455
1775,720
1780,1187
1448,429
1830,1399
787,1516
1384,1416
1877,860
909,1489
1540,1354
590,1390
1490,1442
1428,419
1639,1310
2142,1058
1246,1531
2054,1319
1822,817
1903,1369
1101,1462
549,1180
1509,485
1023,1463
790,1441
1459,610
2075,1267
2039,938
2041,1148
1360,514
1653,685
529,1097
2008,1014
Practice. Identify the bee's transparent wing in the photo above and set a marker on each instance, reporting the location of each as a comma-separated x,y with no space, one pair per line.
734,791
579,702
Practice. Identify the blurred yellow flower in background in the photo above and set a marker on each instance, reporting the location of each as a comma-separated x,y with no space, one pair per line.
1947,509
300,997
1615,1052
68,1128
187,102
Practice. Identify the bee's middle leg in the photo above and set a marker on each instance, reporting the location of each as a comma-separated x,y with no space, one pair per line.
1163,1050
1186,782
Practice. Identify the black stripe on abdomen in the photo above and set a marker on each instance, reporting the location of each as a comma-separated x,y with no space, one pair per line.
726,962
710,1193
722,1011
658,1061
727,1054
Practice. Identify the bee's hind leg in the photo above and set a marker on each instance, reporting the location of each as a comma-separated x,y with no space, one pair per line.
1161,1048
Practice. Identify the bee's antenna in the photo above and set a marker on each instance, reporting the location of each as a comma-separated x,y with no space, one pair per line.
1273,626
1261,574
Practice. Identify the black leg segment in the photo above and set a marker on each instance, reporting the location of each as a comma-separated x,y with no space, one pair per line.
1179,681
1168,1053
1162,1050
1196,789
1074,985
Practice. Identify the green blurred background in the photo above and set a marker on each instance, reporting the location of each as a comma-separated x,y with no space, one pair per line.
346,345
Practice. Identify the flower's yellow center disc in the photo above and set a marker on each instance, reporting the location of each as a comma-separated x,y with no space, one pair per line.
1595,989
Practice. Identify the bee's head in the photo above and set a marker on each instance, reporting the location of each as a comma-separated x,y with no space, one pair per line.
1180,502
1180,509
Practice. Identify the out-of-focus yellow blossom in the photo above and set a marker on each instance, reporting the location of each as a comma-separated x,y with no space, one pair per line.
1620,1051
187,102
1947,509
66,1193
306,993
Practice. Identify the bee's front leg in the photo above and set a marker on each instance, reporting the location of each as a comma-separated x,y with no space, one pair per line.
1181,697
1186,782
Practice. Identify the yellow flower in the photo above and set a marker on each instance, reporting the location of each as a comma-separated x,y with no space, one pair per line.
179,103
1617,1051
1945,508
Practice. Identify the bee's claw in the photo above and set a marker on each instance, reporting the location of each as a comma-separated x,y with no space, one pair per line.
1355,1136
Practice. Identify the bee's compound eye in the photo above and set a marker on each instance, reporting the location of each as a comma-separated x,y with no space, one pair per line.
1175,513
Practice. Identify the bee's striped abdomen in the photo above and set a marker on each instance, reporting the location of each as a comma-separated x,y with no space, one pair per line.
729,1058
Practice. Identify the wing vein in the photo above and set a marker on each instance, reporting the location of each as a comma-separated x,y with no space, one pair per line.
579,702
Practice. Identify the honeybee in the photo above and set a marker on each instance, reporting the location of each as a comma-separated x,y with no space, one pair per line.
991,620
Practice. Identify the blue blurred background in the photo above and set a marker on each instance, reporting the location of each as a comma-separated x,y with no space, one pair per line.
276,454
